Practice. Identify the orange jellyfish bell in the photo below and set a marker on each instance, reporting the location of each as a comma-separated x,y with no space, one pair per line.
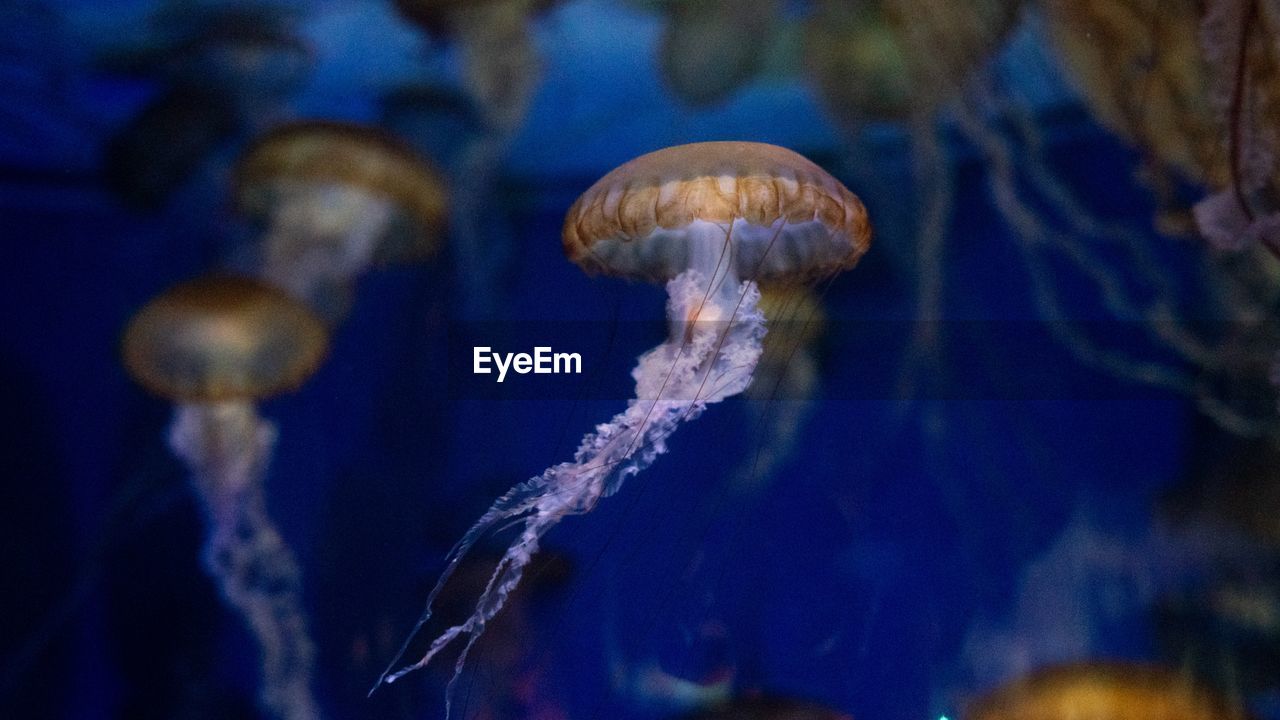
360,158
223,338
788,218
1105,691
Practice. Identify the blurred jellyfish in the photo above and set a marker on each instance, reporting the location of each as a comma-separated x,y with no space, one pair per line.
780,399
164,145
251,53
898,60
711,48
439,121
1105,691
336,198
1139,68
709,219
903,61
769,707
227,69
501,70
215,346
1193,84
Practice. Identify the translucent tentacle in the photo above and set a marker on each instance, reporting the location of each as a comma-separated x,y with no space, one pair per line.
674,382
228,448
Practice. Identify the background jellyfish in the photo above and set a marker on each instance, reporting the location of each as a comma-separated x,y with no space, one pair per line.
1105,689
335,198
215,346
711,48
907,62
501,70
193,122
226,70
710,219
786,381
1149,82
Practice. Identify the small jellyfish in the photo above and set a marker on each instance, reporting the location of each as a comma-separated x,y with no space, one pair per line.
711,48
227,70
336,198
905,62
1105,691
165,144
501,70
781,396
215,346
249,52
895,60
709,220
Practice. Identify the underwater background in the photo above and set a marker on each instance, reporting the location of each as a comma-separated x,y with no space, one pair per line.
1041,425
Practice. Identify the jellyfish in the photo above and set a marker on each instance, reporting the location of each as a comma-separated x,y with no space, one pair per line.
780,398
1140,69
711,220
711,48
501,70
215,346
248,52
1105,691
227,71
1238,40
1192,84
190,124
336,198
899,61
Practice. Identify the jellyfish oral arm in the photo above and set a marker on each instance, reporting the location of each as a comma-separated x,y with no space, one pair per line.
704,361
322,234
227,447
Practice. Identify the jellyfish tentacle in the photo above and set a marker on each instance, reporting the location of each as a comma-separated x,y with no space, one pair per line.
671,380
514,506
228,447
1032,235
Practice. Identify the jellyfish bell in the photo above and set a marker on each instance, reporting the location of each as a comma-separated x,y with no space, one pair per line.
249,52
500,64
336,198
214,347
709,219
1105,691
889,59
1138,67
729,210
711,48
